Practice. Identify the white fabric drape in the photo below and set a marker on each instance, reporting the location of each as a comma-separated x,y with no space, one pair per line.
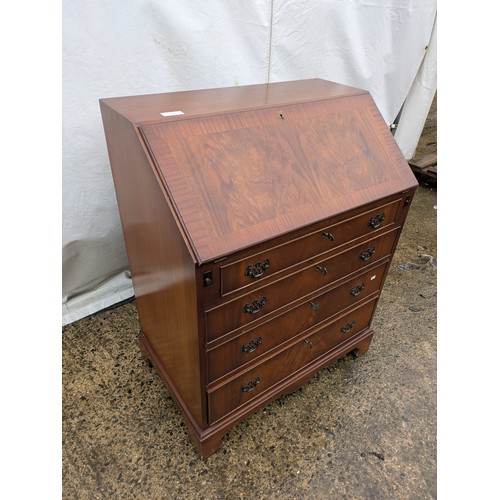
128,47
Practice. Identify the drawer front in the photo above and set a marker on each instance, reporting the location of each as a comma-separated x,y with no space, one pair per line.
246,310
254,382
251,345
248,271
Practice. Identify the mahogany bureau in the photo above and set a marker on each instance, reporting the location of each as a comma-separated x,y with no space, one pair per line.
259,222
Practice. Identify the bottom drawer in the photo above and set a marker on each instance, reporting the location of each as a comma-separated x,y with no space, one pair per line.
248,386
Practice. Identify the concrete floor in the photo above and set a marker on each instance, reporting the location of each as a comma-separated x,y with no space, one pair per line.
361,428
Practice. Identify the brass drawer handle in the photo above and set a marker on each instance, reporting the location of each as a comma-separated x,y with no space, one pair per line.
327,235
251,385
357,289
376,221
257,270
367,254
308,343
252,345
322,270
348,327
255,306
314,305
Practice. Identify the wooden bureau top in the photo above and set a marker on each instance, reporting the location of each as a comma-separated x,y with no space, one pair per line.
148,107
243,165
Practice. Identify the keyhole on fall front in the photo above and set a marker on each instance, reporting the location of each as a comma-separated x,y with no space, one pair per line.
282,116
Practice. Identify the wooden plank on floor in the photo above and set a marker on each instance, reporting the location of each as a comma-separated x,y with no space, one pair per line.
428,160
427,165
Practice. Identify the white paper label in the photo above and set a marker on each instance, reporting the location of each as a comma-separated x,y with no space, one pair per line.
172,113
373,277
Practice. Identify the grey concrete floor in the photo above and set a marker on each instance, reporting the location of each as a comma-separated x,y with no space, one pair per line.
360,428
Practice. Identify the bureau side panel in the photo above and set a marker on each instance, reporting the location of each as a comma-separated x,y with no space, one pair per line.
162,266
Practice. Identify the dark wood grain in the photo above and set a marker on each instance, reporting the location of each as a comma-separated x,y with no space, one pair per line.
239,179
300,182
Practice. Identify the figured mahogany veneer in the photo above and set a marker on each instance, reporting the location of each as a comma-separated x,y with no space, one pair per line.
260,222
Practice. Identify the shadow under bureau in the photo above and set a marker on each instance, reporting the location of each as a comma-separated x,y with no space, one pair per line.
259,222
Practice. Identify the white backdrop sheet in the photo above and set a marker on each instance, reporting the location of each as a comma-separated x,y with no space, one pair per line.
129,47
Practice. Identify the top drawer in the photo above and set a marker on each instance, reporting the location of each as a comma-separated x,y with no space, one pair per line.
247,271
